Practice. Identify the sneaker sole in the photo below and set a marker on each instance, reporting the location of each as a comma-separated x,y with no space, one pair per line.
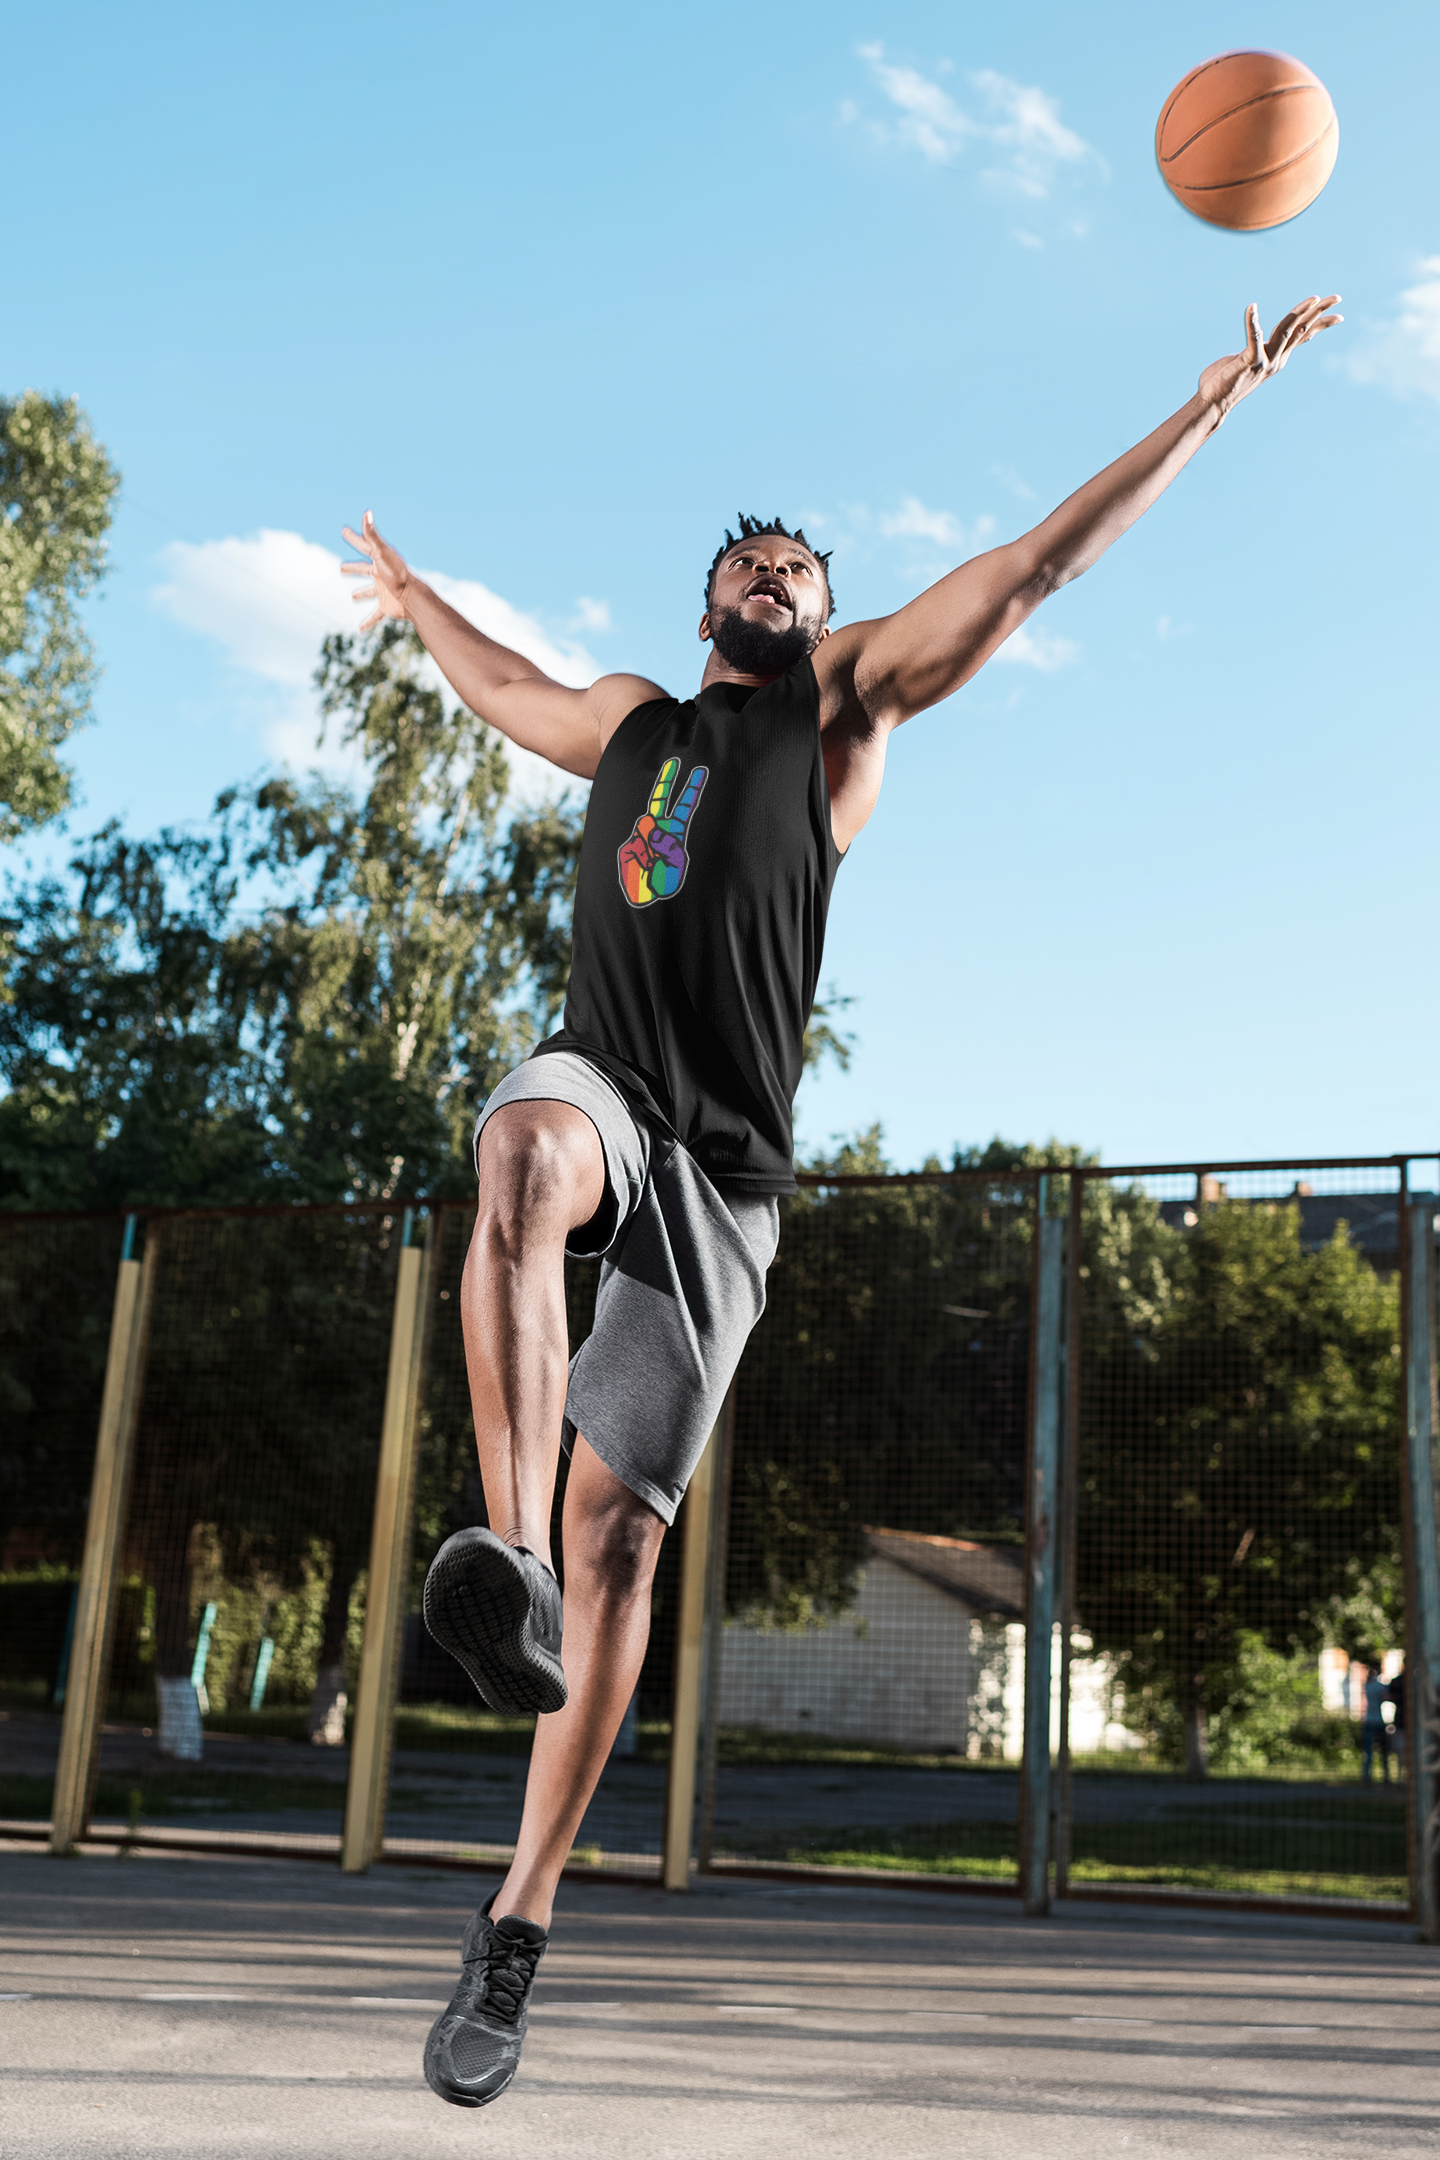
478,1606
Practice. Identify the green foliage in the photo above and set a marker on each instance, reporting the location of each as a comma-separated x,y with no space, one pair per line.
307,999
1271,1716
887,1382
1239,1469
822,1038
56,490
863,1399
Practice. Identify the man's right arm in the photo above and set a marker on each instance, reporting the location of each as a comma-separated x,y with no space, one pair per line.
569,727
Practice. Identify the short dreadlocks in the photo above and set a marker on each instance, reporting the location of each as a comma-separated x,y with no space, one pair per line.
751,529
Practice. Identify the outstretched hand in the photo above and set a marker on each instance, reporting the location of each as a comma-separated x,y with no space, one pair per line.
1226,381
386,568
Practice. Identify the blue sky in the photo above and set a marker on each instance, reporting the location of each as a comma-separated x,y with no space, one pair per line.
556,291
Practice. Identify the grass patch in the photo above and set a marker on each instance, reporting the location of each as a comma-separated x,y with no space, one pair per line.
1339,1847
743,1746
177,1793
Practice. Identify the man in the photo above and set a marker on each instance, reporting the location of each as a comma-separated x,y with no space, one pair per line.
654,1129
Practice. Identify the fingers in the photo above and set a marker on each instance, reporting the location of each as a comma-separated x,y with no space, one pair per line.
364,593
664,781
1303,320
686,805
1254,343
371,620
348,532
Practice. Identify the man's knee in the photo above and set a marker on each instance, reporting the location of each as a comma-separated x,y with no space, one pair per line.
617,1547
533,1165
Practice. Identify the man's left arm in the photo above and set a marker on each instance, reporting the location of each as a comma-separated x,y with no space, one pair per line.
902,663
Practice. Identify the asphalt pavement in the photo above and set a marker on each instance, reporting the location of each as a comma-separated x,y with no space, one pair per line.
213,2009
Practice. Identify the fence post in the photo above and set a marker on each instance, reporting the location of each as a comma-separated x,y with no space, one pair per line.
1422,1661
371,1734
89,1667
1068,1504
689,1663
1040,1521
714,1625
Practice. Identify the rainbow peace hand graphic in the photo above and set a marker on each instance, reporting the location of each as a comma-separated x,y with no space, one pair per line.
653,861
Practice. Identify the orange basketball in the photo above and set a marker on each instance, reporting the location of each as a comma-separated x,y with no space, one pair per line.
1248,140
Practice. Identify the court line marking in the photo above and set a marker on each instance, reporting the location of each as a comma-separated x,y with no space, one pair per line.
397,2002
193,1995
16,1998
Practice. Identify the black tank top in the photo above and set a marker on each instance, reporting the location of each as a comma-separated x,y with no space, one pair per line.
705,876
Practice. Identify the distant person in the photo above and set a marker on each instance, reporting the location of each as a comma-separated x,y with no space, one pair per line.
654,1130
1374,1732
1395,1695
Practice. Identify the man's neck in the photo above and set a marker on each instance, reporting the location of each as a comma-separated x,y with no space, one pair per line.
720,671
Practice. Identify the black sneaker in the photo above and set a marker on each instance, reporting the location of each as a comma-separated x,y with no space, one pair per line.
473,2051
497,1609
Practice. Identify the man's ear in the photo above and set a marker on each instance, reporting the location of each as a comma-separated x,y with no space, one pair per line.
824,633
705,630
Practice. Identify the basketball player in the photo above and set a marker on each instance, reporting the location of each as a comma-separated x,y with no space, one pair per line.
654,1129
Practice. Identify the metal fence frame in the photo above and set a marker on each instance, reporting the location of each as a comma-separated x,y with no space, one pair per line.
1052,1443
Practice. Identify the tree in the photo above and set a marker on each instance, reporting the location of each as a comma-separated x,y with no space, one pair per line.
57,486
1239,1471
308,999
887,1381
305,1001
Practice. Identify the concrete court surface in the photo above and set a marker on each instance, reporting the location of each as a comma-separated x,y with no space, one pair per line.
209,2008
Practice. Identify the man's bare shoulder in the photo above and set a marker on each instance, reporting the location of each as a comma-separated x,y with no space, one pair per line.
612,698
839,662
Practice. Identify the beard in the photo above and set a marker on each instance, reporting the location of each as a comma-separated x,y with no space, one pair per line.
760,648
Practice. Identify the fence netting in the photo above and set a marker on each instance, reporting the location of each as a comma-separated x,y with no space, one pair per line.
866,1672
1236,1709
57,1282
1229,1712
457,1780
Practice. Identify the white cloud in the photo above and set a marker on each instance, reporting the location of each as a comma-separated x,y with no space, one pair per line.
1403,355
1009,478
268,600
271,598
931,122
912,521
1036,648
591,615
1029,132
1018,123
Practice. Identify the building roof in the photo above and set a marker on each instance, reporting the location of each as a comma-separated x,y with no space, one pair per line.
988,1580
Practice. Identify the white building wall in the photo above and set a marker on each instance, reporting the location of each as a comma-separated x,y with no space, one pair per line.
895,1668
906,1667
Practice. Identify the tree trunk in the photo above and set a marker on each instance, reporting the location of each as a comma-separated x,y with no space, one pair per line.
1197,1740
325,1725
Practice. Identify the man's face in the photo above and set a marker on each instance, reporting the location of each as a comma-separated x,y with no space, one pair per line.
768,605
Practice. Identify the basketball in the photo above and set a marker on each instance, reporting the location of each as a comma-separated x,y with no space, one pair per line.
1247,140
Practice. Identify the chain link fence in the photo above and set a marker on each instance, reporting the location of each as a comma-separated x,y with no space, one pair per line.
1229,1709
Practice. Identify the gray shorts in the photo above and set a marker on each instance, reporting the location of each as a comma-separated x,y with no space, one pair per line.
682,1283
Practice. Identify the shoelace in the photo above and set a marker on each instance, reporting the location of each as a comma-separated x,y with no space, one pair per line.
503,1973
